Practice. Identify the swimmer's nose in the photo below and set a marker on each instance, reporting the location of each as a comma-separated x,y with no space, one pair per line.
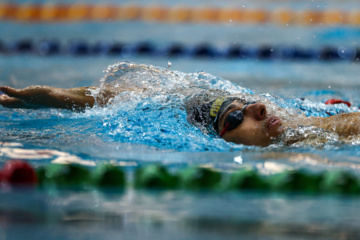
257,110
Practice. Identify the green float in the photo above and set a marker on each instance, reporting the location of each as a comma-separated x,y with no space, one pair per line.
154,177
295,181
67,176
339,182
108,176
198,178
246,179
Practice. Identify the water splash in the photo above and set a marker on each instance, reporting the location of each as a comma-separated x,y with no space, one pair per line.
148,108
154,113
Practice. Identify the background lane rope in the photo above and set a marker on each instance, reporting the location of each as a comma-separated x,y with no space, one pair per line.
79,12
52,47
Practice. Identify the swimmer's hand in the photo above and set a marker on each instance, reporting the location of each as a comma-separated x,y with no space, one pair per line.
76,99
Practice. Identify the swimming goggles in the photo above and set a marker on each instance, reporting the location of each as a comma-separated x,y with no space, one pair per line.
234,119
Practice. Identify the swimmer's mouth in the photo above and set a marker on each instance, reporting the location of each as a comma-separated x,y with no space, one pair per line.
272,122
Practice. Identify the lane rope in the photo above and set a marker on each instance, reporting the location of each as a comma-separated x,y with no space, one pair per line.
53,47
79,12
17,173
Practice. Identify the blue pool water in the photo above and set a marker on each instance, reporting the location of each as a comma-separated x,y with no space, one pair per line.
152,128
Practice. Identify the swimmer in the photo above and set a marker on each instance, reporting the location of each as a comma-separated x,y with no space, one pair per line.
232,118
250,123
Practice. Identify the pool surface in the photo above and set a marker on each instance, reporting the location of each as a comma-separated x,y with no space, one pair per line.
151,127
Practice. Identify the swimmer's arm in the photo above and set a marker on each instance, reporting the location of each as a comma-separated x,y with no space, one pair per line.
345,124
76,99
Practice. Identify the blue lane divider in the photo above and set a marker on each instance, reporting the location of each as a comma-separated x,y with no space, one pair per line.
202,50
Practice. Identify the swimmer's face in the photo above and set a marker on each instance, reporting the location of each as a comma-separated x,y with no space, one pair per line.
257,128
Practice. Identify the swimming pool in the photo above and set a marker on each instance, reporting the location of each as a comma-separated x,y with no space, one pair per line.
100,135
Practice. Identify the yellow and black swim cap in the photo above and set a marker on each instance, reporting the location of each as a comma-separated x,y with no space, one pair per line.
206,114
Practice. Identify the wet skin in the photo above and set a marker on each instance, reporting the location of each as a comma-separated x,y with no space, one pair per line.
75,99
37,96
258,127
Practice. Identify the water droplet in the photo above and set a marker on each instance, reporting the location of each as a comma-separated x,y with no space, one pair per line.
238,159
346,52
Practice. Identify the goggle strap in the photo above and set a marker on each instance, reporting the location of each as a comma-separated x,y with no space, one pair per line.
224,129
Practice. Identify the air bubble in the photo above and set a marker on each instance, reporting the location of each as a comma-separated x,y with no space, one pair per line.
346,52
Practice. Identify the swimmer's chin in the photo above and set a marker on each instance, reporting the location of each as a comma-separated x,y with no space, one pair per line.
278,140
277,137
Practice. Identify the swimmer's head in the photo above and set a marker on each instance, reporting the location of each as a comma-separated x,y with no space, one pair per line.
237,120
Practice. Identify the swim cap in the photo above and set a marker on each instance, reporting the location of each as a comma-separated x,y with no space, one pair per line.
206,114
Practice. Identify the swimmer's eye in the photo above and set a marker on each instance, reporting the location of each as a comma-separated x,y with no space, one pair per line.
234,119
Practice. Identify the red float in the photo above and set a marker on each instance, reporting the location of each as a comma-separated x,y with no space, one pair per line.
17,172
